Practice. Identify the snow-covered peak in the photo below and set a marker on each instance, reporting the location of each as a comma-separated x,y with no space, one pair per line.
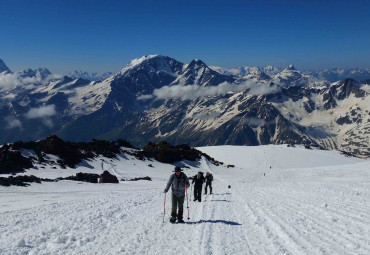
251,72
3,67
293,77
153,63
271,70
220,70
290,68
137,61
197,64
197,72
43,72
335,74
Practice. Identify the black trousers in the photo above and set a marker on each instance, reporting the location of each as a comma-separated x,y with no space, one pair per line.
198,193
177,202
210,187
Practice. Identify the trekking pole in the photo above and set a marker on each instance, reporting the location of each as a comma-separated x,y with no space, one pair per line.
191,189
164,213
187,202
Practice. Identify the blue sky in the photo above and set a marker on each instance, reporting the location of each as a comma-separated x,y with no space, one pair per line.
101,36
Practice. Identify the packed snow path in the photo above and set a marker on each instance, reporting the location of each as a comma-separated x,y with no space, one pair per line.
323,210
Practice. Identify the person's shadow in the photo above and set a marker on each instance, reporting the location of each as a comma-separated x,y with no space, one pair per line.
214,221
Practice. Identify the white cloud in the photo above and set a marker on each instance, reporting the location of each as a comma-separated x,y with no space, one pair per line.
48,122
253,122
10,81
12,122
263,89
41,112
44,113
191,92
145,97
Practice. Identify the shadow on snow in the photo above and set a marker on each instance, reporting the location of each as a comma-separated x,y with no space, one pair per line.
214,221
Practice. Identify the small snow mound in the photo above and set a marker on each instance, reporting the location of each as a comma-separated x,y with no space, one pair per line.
61,239
22,243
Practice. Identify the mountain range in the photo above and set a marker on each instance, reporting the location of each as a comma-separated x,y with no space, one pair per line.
157,98
331,74
92,76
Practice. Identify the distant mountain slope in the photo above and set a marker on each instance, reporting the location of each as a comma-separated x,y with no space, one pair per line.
331,75
89,76
158,98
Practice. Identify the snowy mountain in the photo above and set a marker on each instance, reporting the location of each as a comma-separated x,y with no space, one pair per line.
92,76
336,74
198,73
157,98
277,199
331,75
249,72
3,67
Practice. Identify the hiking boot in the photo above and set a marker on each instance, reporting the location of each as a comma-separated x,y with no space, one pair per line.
173,220
195,199
180,221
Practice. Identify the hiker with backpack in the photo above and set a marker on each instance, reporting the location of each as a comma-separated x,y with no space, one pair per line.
179,182
198,181
209,179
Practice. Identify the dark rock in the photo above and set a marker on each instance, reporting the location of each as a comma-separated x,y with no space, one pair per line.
228,166
344,120
21,180
107,177
309,106
166,153
13,161
146,178
83,177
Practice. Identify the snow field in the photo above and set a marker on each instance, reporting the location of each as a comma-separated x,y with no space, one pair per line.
320,207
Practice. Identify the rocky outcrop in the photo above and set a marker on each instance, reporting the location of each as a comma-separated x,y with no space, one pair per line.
166,153
12,161
22,180
82,177
69,153
107,177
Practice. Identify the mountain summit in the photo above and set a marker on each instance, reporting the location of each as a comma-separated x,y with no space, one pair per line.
3,67
290,68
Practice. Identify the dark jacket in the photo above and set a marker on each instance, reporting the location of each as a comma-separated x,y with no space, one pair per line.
198,182
209,178
177,183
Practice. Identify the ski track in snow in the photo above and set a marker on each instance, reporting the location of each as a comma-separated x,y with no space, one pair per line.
257,215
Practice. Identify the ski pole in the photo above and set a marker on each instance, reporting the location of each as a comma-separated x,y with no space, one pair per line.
191,189
187,202
164,213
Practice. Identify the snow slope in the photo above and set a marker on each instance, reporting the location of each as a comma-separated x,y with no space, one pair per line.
308,202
